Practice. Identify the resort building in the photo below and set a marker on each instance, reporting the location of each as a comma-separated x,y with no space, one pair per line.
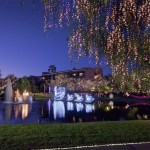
86,73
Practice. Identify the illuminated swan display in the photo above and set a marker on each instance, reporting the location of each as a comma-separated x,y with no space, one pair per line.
59,93
89,98
79,98
70,97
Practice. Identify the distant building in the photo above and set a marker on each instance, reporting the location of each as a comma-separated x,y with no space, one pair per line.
87,73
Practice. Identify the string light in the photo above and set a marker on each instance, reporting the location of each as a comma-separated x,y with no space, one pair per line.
119,28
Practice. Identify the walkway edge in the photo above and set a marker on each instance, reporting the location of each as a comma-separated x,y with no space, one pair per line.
119,144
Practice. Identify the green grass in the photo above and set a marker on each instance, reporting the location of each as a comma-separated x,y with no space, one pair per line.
42,96
65,135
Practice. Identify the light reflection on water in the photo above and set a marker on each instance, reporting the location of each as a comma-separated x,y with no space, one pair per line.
70,106
79,107
66,111
89,108
54,110
26,109
19,110
58,109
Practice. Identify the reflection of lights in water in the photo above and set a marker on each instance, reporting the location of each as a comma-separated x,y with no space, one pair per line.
17,109
89,98
107,108
70,106
111,103
59,93
25,111
79,107
49,106
49,89
70,97
89,108
127,106
79,98
145,116
58,109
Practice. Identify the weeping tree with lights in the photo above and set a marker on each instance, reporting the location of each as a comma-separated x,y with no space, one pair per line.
117,29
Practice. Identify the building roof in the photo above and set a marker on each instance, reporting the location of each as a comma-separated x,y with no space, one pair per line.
71,71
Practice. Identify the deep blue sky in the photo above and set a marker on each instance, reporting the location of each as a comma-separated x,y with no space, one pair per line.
24,48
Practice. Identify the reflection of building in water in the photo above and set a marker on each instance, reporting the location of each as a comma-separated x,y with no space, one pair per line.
70,106
89,108
58,109
79,107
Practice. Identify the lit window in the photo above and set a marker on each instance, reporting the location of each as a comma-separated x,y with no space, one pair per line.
74,74
80,74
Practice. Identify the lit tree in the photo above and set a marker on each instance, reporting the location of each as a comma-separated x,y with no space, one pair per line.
61,80
118,29
23,84
71,84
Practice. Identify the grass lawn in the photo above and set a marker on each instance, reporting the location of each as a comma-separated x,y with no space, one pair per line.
42,96
65,135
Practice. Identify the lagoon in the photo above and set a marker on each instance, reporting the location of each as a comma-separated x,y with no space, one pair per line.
53,111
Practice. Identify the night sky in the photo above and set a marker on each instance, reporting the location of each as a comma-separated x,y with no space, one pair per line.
24,48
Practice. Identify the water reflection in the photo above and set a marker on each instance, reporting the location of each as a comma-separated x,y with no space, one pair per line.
70,111
58,109
79,107
25,111
70,106
89,108
17,110
49,106
22,110
8,110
